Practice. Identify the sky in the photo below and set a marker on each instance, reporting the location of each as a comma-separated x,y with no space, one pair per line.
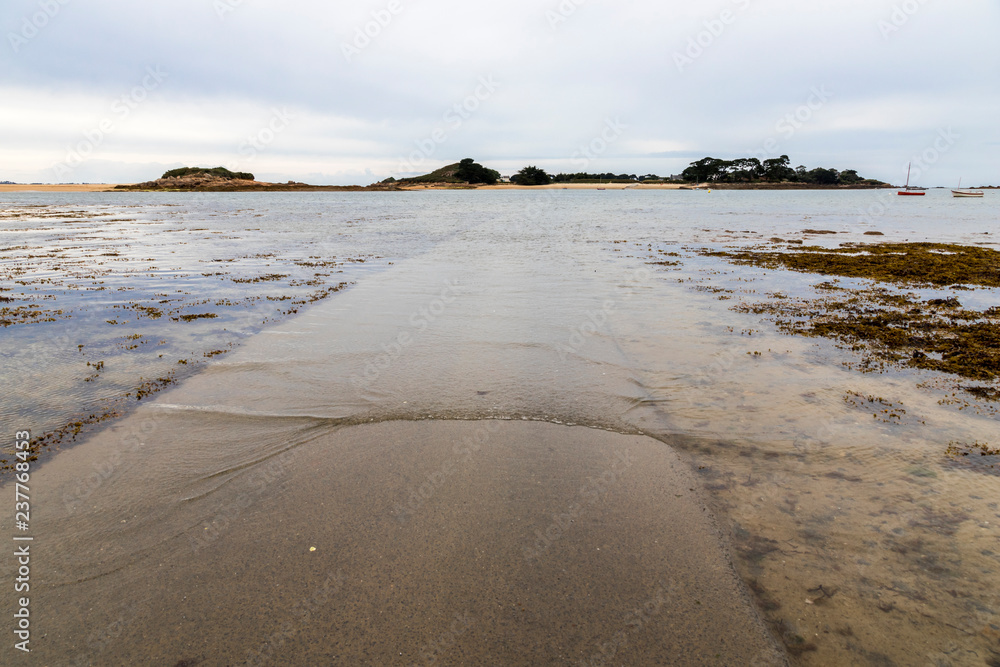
330,92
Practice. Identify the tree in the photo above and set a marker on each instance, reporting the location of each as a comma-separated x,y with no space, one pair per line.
823,176
849,176
747,169
221,172
777,169
706,169
471,172
531,176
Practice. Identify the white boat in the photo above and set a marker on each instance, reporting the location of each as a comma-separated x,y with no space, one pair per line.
965,193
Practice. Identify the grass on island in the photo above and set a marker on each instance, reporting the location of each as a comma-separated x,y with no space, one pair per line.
467,173
221,172
442,175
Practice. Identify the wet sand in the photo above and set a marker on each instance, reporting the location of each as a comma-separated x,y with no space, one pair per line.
490,542
860,538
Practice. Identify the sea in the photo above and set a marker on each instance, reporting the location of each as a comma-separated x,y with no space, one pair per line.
858,536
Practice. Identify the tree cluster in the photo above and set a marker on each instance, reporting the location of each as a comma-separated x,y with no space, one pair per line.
221,172
775,170
474,173
584,177
531,176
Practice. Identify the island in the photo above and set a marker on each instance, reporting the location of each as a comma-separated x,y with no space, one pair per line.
220,179
739,174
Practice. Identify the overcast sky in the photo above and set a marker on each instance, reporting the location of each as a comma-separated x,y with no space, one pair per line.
116,91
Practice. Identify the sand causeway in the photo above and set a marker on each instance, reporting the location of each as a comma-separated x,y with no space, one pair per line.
504,542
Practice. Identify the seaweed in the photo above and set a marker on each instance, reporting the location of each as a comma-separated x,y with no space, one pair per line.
978,457
795,643
893,328
916,263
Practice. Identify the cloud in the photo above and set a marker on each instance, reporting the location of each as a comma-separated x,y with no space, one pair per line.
369,86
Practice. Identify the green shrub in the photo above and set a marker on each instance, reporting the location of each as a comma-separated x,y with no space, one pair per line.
221,172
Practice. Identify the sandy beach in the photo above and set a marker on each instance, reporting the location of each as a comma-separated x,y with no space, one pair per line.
713,395
47,187
512,543
512,434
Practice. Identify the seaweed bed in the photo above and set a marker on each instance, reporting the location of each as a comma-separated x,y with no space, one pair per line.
126,301
885,325
937,264
875,532
978,457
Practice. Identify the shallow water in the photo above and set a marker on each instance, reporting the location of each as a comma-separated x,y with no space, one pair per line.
862,543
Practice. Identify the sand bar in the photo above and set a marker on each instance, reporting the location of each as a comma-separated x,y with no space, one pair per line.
48,187
503,542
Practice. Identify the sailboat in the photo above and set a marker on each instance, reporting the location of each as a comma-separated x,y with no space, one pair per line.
915,192
965,193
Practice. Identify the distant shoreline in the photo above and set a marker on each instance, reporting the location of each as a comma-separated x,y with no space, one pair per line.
302,187
551,186
677,186
47,187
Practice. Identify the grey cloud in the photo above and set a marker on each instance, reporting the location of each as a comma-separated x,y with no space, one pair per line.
559,81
